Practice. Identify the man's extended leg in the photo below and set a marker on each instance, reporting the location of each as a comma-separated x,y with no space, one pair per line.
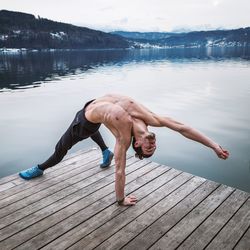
106,153
64,144
68,139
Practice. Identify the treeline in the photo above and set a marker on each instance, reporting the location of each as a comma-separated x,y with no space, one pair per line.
21,30
236,37
215,37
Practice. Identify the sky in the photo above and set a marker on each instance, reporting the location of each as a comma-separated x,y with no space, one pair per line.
139,15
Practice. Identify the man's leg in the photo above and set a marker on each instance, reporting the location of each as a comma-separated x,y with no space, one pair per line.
64,144
106,153
68,139
97,138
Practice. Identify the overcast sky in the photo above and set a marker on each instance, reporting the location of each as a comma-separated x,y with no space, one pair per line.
139,15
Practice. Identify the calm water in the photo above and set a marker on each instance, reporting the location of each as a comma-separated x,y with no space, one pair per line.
208,89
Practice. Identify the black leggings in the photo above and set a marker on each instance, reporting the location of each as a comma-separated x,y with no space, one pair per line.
75,133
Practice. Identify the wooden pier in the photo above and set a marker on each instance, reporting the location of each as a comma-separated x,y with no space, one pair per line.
72,206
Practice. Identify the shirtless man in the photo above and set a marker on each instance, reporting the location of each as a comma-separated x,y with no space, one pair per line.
128,121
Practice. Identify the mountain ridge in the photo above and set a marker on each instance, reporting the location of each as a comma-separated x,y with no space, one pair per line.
22,30
221,38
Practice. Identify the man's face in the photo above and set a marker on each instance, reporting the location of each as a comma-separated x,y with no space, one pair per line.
148,144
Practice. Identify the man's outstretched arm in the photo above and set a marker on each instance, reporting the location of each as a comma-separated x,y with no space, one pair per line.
190,133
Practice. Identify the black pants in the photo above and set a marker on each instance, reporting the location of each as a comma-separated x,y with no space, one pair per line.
77,131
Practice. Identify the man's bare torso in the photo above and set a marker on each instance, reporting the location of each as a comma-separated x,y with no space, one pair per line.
117,112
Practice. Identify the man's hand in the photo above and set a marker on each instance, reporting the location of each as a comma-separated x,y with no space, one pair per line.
129,200
222,153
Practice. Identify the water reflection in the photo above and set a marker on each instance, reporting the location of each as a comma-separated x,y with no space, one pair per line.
35,67
30,69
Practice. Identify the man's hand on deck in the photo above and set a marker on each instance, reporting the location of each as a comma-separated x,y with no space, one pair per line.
129,200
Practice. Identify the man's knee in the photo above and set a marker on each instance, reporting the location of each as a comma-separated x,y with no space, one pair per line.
61,149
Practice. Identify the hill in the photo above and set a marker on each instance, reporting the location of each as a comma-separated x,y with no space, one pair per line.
144,35
221,38
21,30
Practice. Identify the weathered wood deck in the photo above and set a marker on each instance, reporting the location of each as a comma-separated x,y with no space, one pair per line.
73,207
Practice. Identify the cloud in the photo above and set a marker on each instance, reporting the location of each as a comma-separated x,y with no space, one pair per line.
123,21
217,2
106,8
140,15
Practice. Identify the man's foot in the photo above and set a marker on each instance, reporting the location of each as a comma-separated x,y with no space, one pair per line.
107,158
31,173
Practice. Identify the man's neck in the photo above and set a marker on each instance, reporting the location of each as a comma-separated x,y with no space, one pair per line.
139,129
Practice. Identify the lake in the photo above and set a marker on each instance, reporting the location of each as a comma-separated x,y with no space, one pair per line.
207,88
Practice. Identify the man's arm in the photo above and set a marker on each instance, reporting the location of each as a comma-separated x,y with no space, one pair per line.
189,133
121,148
120,164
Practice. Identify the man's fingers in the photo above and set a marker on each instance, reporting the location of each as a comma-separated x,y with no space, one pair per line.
224,156
132,202
225,152
132,197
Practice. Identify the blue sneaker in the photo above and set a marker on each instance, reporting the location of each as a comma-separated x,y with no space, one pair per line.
107,158
31,173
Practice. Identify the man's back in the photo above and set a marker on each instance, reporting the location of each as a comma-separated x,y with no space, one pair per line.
111,109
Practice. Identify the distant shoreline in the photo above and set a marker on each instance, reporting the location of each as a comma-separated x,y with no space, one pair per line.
25,50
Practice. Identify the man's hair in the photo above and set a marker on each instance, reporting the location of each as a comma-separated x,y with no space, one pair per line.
138,151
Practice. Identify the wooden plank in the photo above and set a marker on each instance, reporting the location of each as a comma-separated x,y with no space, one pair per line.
180,231
244,242
6,186
233,230
213,224
110,227
90,218
73,159
76,209
49,175
46,181
69,159
46,188
73,182
59,168
15,176
50,195
58,211
31,218
180,203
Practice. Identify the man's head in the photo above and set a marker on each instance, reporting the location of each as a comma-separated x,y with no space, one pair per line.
145,146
